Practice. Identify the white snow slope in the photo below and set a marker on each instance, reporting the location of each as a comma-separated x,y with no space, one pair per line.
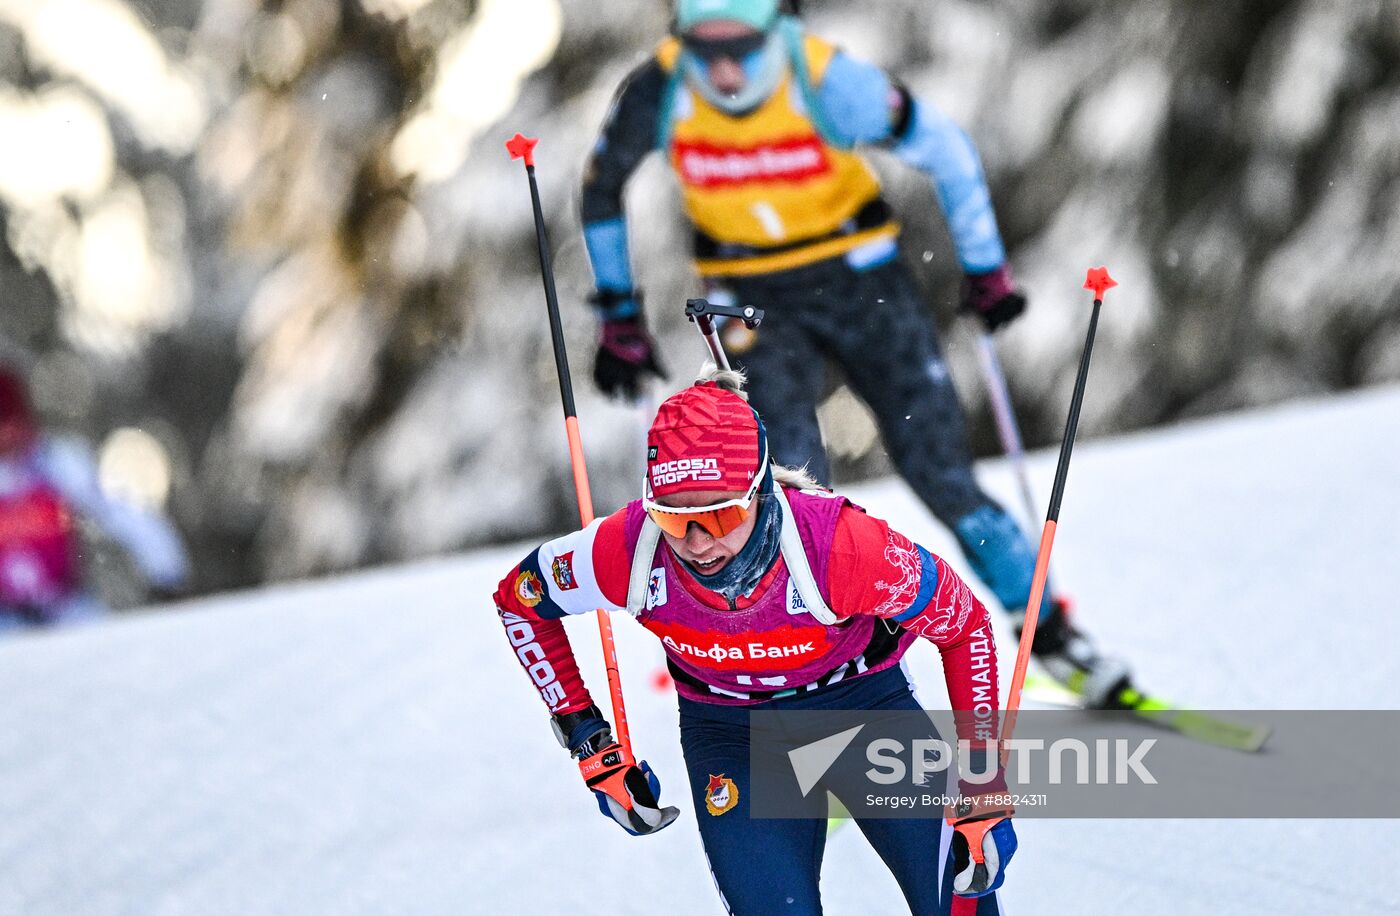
367,744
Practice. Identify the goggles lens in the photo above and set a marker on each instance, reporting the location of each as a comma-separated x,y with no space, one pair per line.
712,49
718,520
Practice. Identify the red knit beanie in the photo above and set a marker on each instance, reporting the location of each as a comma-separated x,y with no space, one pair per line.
704,438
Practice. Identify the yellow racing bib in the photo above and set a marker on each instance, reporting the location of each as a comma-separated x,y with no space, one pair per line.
767,191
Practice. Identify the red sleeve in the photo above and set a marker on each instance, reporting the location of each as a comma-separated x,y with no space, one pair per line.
873,569
610,546
958,623
574,574
876,570
543,650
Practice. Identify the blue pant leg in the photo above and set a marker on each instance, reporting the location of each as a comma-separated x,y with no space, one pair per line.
909,847
919,853
910,850
917,850
760,866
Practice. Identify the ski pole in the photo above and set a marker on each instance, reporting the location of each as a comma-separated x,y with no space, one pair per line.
522,147
1007,429
702,312
1099,281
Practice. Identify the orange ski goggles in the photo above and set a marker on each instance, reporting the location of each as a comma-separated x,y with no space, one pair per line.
718,519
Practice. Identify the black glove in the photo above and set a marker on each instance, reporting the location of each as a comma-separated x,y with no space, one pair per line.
626,351
993,297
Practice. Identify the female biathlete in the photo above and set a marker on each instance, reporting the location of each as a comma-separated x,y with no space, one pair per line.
767,594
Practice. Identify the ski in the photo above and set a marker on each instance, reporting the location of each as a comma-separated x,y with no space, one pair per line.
1199,726
838,817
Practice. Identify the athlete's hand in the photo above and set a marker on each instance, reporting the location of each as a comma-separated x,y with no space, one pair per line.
626,353
993,297
627,791
983,843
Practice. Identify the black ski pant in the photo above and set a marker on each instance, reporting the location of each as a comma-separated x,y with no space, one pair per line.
874,325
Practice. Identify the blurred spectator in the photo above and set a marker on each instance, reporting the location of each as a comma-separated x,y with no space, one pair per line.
44,482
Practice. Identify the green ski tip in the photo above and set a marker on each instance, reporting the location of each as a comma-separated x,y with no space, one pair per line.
838,817
1205,727
1199,726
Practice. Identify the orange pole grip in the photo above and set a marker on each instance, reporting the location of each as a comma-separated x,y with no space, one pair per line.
605,630
1023,651
585,495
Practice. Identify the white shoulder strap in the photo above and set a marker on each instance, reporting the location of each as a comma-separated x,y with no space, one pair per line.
800,571
642,556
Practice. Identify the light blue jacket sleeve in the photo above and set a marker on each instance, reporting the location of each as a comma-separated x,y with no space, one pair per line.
857,99
607,253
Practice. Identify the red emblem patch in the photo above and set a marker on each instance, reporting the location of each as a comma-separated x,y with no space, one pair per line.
528,588
563,570
720,794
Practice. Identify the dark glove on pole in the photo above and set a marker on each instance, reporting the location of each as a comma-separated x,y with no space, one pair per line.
626,352
993,297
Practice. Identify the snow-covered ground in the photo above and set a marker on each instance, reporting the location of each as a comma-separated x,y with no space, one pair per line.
367,745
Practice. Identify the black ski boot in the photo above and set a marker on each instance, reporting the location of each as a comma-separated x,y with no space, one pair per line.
1071,658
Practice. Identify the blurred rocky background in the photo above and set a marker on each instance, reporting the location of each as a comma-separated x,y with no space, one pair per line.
271,259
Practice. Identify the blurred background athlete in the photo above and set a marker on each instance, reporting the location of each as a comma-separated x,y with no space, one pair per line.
45,484
760,122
